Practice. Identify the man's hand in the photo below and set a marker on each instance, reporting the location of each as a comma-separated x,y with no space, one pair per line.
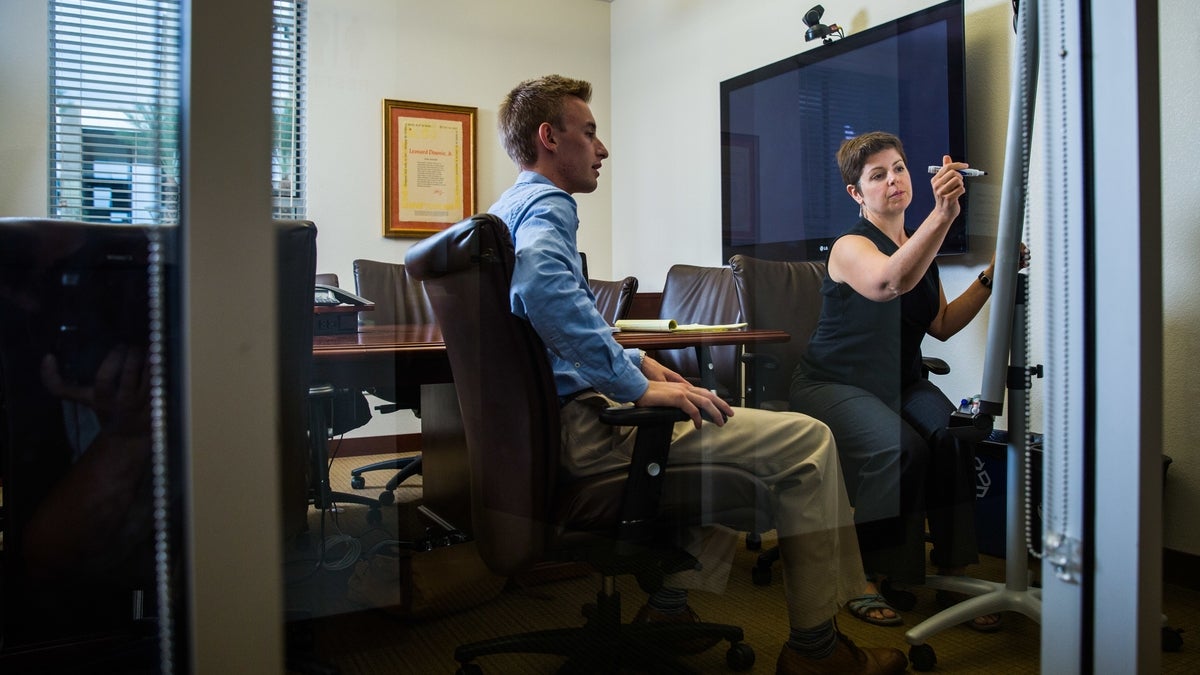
120,395
657,372
690,399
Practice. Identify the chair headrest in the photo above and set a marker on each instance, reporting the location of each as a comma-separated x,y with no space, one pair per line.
454,249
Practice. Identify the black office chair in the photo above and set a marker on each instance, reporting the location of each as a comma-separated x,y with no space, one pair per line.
398,300
306,421
694,294
523,511
614,298
306,407
783,295
75,290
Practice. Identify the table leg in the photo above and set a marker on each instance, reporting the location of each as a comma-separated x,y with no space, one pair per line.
708,370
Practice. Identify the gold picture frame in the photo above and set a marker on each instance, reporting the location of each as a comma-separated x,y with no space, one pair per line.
429,167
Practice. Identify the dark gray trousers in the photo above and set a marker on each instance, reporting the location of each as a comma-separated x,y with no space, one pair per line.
902,468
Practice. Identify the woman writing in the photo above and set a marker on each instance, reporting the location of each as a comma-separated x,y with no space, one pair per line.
862,376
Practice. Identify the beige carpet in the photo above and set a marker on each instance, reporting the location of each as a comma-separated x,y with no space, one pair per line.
359,640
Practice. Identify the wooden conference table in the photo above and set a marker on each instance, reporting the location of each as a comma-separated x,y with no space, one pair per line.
416,354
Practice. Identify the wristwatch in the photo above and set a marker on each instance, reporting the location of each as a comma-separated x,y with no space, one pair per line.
985,280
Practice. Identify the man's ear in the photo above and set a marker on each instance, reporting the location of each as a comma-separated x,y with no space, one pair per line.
546,136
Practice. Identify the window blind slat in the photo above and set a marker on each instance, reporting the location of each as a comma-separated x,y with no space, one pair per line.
114,83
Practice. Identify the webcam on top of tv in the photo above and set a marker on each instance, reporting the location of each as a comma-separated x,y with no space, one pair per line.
817,30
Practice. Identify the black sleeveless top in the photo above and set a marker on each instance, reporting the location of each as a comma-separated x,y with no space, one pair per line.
873,345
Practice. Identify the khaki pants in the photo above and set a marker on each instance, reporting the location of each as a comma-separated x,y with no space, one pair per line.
793,454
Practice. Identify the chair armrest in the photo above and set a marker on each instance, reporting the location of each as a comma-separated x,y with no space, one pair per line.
970,427
627,416
932,364
643,487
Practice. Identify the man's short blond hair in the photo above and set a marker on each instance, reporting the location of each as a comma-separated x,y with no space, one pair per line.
531,103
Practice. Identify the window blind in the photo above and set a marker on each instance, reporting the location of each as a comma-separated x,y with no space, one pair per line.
289,77
115,110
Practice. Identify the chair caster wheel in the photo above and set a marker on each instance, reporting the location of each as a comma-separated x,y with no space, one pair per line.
740,657
922,657
386,498
469,669
761,575
374,516
358,482
753,541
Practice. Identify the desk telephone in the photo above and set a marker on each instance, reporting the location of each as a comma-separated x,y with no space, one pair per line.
325,295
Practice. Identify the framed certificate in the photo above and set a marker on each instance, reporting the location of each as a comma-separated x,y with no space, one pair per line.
429,167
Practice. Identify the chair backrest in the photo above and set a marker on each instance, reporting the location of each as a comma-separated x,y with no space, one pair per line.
506,394
693,294
614,298
296,252
56,274
785,296
74,290
328,278
398,298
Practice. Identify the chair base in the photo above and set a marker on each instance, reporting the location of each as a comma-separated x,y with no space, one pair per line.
990,597
331,499
605,645
404,466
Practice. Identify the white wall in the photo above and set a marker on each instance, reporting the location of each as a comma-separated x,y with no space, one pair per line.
1180,63
24,88
656,73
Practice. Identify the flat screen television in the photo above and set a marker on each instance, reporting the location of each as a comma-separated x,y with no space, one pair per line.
782,195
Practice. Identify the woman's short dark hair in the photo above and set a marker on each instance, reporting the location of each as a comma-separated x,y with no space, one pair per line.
853,154
531,103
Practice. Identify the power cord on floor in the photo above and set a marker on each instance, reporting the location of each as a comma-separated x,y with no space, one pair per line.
351,555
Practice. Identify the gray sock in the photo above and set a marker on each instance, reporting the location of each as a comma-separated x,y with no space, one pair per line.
816,642
669,600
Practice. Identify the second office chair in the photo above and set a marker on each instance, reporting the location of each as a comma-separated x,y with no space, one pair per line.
398,299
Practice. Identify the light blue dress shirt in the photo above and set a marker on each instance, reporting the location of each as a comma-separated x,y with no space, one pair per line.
549,290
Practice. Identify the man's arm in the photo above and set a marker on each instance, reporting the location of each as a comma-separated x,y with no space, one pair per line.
548,291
